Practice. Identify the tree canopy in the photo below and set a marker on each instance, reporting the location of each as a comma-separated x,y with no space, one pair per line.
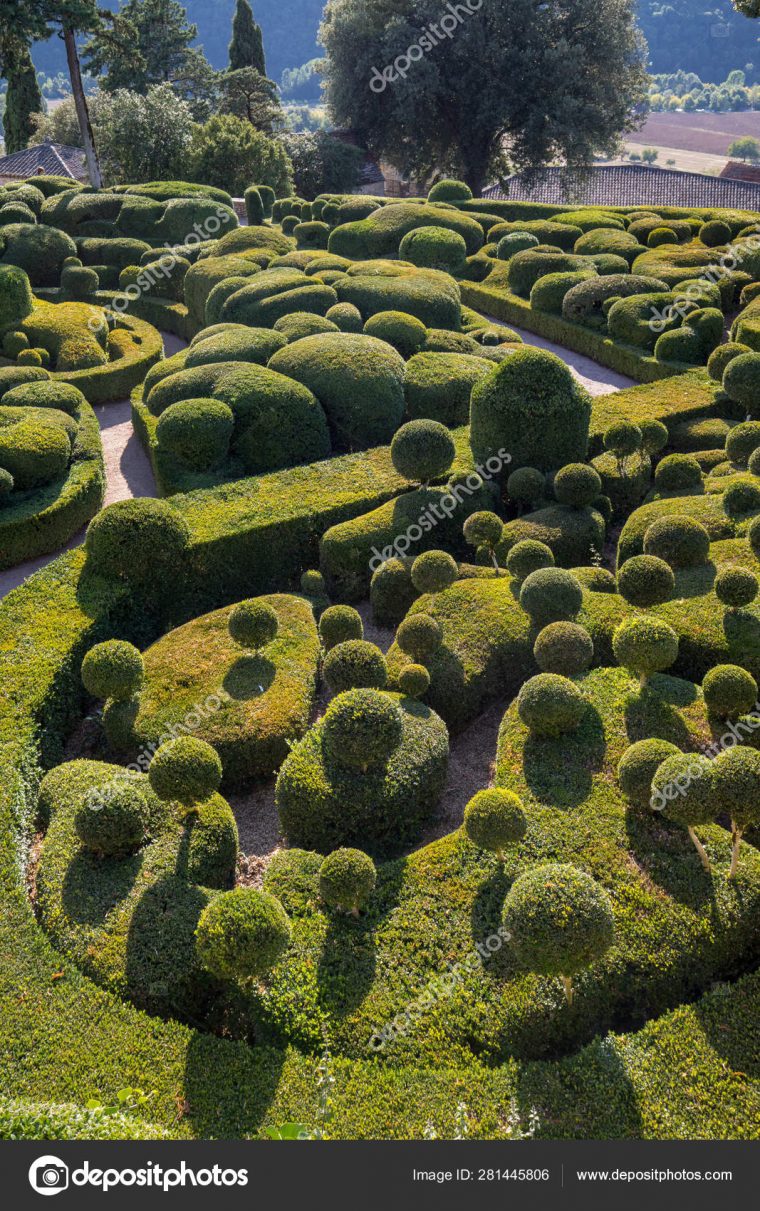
247,45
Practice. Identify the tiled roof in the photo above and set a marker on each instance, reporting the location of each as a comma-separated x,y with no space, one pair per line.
741,172
632,185
54,159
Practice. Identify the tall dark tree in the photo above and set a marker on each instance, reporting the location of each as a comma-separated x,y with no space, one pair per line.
484,88
146,42
247,45
247,94
22,100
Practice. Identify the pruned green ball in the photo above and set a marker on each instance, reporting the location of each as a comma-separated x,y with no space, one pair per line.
559,920
740,499
419,636
347,878
113,669
654,435
242,934
494,819
434,571
526,485
422,450
112,819
623,438
729,691
736,785
528,556
645,645
185,769
483,529
741,381
362,728
355,664
338,624
253,624
678,539
6,484
645,580
742,441
414,680
638,766
565,648
577,485
678,473
683,789
550,705
736,587
551,595
313,584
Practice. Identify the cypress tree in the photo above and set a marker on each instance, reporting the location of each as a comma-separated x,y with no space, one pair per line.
22,100
247,45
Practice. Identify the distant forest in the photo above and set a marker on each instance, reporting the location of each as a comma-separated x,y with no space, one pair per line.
693,35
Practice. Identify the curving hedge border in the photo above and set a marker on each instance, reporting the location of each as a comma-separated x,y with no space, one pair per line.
52,515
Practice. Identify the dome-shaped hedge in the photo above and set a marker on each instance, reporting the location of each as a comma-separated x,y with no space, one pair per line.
253,624
347,878
338,624
645,580
528,556
494,819
434,571
414,680
645,645
526,485
550,705
551,595
742,441
736,587
113,669
577,485
242,934
422,450
197,432
121,535
565,648
404,332
741,381
729,691
185,769
638,766
419,636
361,728
679,539
355,664
112,819
435,248
678,473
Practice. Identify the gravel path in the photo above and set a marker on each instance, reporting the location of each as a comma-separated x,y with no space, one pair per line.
597,380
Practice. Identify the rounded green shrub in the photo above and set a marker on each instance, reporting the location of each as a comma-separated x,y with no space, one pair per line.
254,206
494,819
346,317
638,766
6,485
391,591
741,498
528,556
347,878
551,595
654,436
736,784
197,432
450,190
678,473
434,571
548,293
559,921
736,587
564,648
253,624
645,580
515,241
355,664
185,769
313,584
623,439
298,324
15,296
741,381
361,728
660,236
577,485
678,539
113,669
64,397
483,530
414,680
742,441
435,248
422,450
405,332
550,705
683,789
121,535
526,486
645,646
729,691
525,268
714,233
721,356
112,820
419,636
338,624
34,451
242,934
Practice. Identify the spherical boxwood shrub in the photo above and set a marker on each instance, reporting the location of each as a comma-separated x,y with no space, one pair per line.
654,436
526,485
515,241
623,439
729,691
736,587
721,356
112,820
313,584
434,571
355,664
714,233
435,248
565,648
346,317
494,819
6,485
347,878
528,556
253,624
678,473
559,921
113,669
741,498
550,705
414,680
34,451
638,766
185,769
736,784
140,541
483,529
742,441
15,296
450,190
361,728
678,539
197,432
422,450
419,636
577,485
551,595
645,580
242,934
645,646
741,381
338,624
391,592
532,407
405,332
683,789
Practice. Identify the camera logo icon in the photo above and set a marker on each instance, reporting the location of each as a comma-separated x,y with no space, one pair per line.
49,1175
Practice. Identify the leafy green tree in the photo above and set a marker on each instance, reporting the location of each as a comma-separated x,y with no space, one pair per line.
247,94
22,101
227,152
322,164
746,148
143,138
146,42
649,155
450,93
247,45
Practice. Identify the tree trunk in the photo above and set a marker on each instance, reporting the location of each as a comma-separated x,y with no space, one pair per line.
567,984
700,850
83,114
736,837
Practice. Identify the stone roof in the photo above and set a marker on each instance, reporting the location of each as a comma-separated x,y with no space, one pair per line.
631,185
52,159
